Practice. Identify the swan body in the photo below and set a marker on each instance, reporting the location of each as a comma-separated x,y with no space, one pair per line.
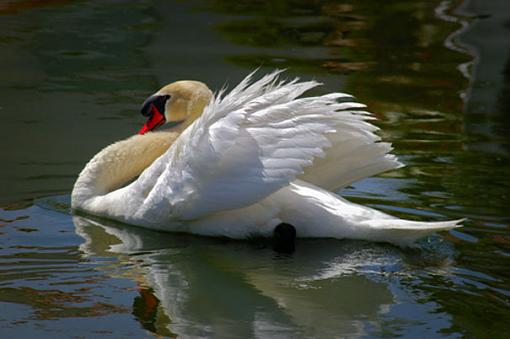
243,162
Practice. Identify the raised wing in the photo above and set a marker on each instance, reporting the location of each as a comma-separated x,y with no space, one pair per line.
355,153
246,145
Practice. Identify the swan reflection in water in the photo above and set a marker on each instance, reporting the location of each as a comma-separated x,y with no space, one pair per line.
196,286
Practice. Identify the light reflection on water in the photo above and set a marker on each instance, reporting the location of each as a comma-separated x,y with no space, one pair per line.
193,286
73,85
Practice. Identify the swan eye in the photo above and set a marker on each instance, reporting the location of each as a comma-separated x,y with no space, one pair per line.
157,100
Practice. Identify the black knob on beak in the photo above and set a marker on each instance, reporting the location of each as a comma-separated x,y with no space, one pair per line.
158,101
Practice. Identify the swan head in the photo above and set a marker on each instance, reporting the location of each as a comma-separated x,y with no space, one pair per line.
179,102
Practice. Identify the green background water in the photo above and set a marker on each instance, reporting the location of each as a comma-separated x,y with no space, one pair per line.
436,73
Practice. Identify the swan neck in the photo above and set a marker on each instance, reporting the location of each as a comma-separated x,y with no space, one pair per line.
118,164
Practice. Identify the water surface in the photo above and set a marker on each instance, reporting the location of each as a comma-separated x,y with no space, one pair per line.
436,74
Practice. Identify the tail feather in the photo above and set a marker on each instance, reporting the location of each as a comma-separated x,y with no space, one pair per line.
405,232
318,213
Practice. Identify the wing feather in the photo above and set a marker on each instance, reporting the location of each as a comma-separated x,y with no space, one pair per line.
250,143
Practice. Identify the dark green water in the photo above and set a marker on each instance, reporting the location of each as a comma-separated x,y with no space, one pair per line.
437,74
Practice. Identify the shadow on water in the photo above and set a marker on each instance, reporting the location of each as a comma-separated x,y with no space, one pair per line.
233,289
230,288
175,284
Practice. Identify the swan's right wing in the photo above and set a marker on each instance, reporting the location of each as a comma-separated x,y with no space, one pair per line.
245,146
355,154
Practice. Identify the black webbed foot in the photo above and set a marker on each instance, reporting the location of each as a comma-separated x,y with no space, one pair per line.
284,236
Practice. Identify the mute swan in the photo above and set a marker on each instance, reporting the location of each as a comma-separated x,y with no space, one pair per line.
244,162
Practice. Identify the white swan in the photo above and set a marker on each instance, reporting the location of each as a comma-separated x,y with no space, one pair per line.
245,162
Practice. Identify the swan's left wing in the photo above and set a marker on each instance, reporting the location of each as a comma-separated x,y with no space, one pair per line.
245,146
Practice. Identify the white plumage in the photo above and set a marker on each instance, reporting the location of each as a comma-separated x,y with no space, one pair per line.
255,157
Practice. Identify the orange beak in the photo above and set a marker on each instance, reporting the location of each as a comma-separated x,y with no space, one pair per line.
155,120
152,108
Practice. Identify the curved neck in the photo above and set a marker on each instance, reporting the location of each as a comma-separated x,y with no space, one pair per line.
118,164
